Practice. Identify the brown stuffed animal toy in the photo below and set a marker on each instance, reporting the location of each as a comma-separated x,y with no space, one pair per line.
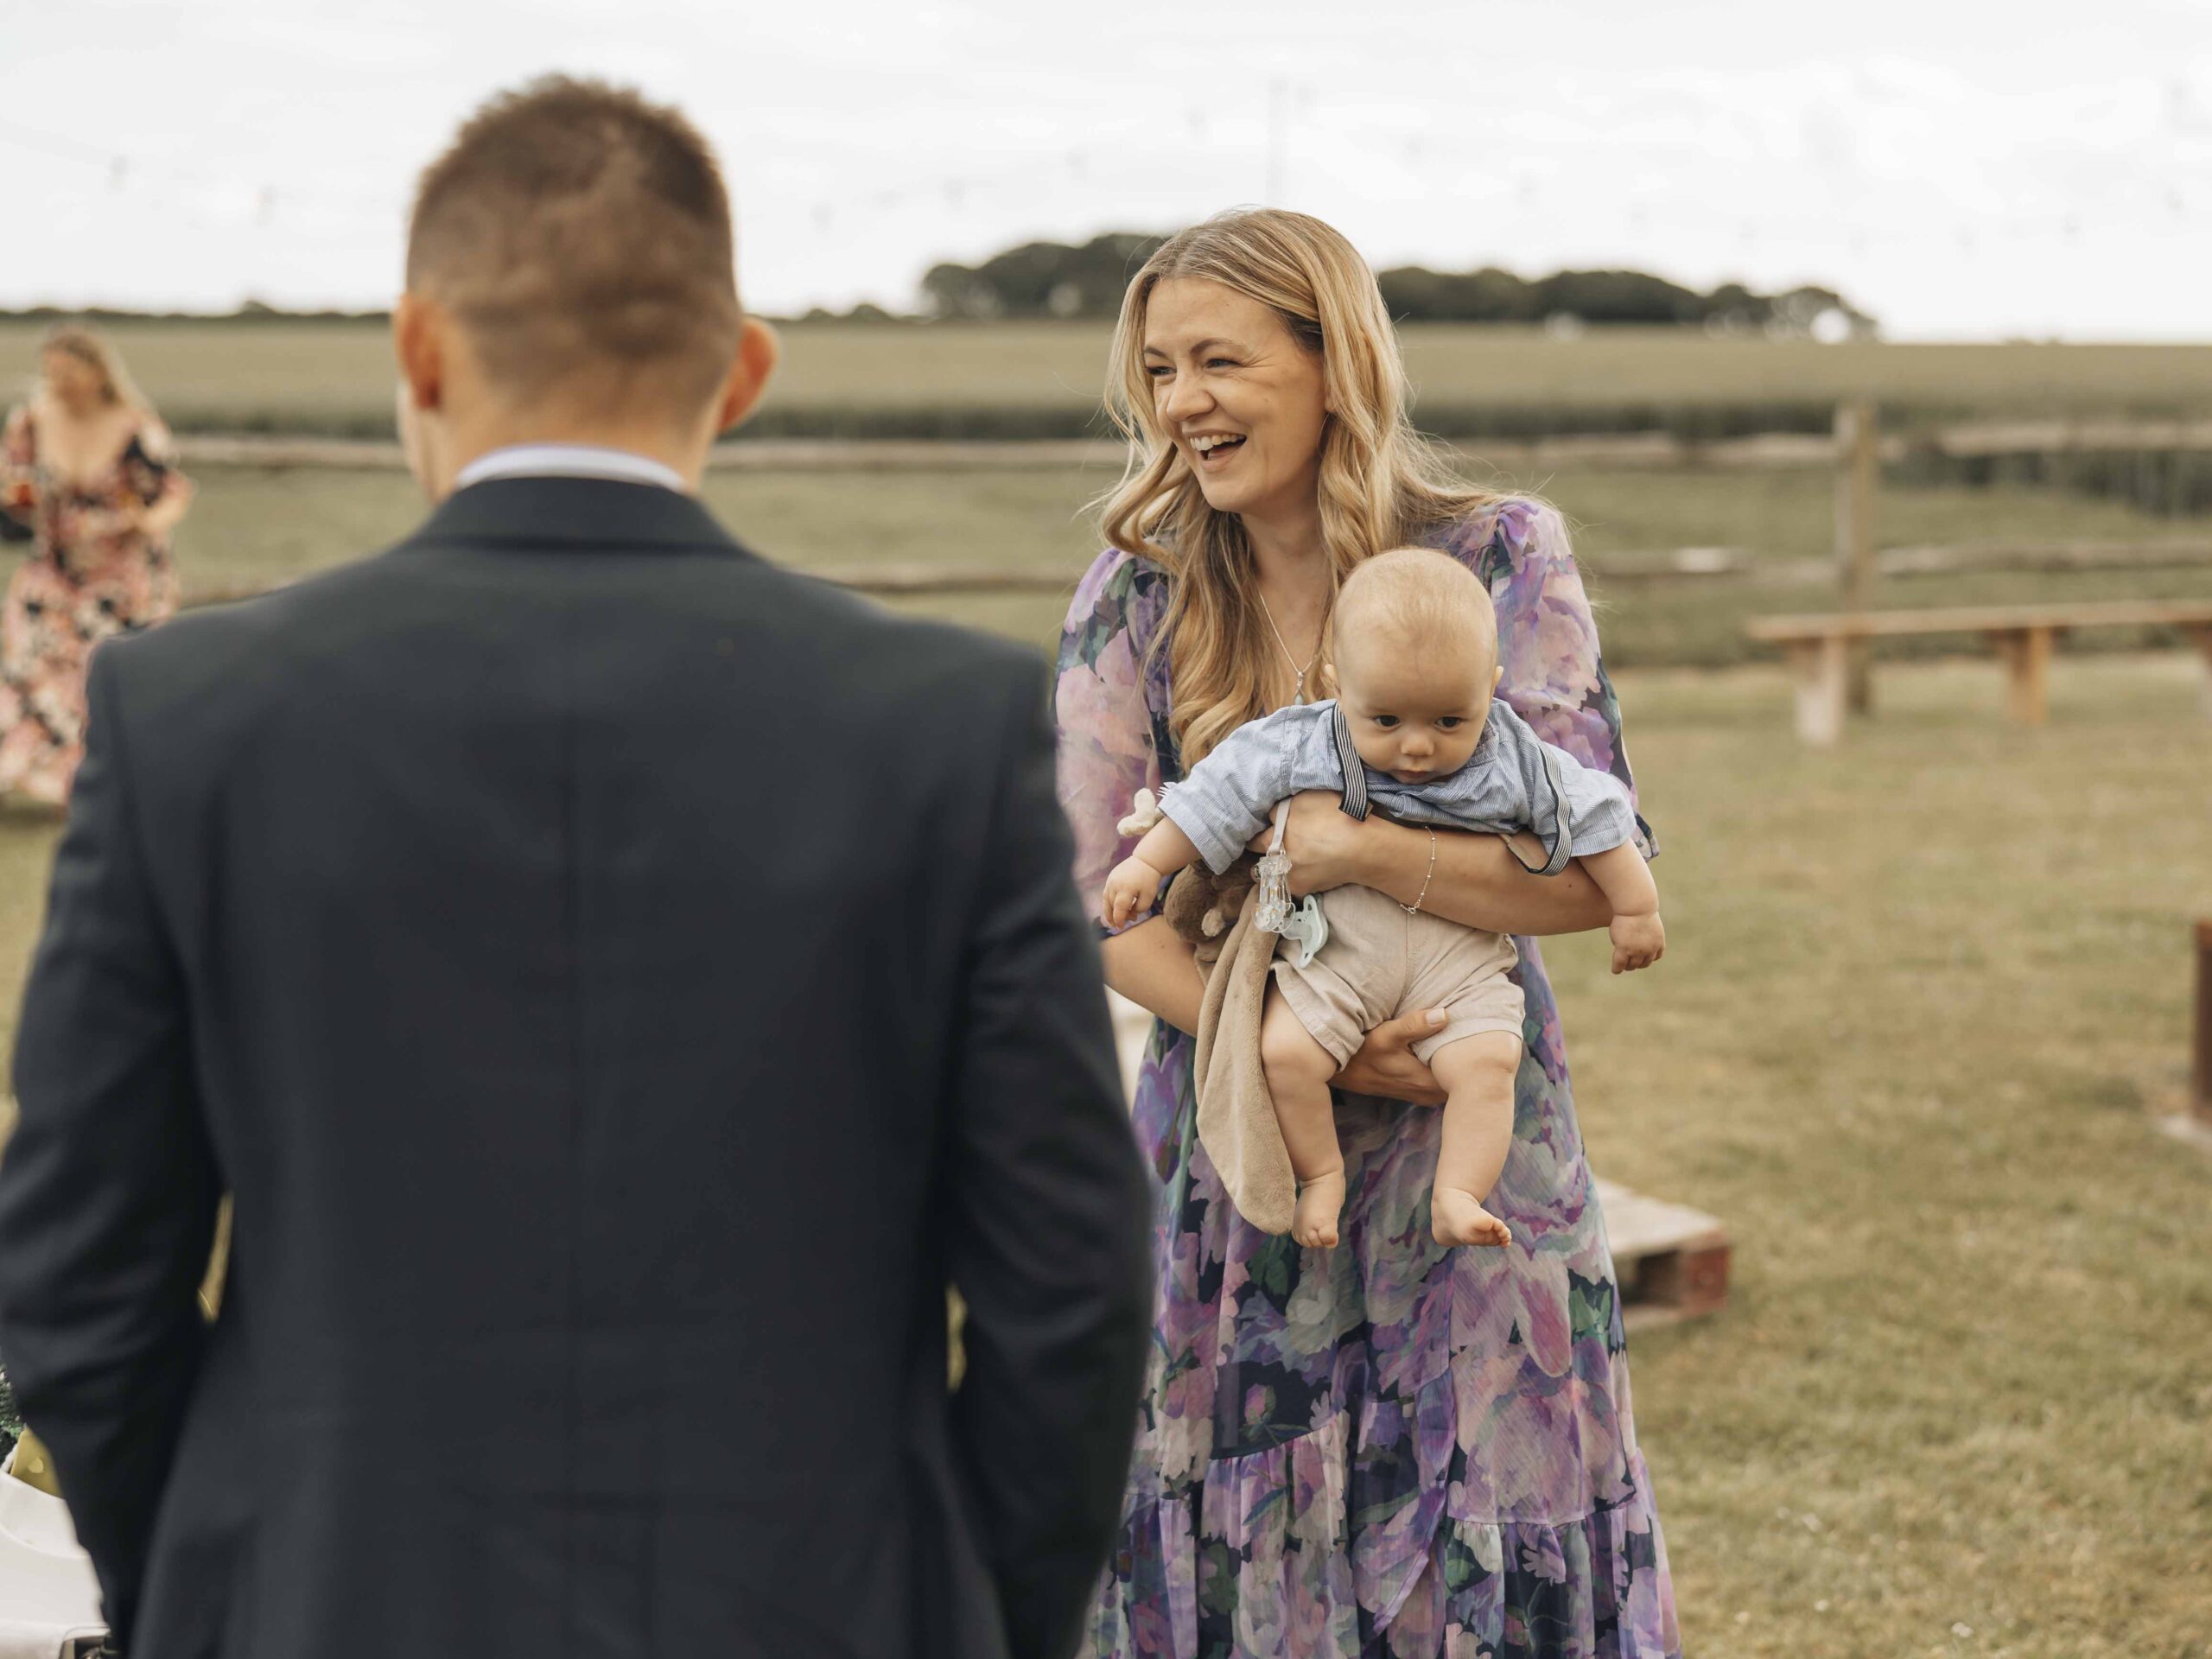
1202,907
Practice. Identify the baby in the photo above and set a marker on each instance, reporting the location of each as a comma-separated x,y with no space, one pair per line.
1415,732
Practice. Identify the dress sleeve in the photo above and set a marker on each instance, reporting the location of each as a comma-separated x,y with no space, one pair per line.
1547,640
150,472
1103,715
18,486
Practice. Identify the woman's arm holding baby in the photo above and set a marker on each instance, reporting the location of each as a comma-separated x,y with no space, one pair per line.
1154,967
1477,881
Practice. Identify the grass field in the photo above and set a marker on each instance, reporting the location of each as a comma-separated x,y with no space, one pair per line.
1922,997
252,526
339,376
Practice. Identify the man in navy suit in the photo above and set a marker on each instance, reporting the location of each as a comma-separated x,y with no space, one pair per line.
622,984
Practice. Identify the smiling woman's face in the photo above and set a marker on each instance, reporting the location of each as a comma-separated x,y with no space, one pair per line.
72,383
1239,396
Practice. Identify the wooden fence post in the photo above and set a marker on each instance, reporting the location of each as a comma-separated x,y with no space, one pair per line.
1857,446
2200,1088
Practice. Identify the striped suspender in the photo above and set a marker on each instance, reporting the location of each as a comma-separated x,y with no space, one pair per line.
1349,762
1562,847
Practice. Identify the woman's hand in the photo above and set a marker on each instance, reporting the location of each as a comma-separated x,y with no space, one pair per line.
1385,1064
1325,846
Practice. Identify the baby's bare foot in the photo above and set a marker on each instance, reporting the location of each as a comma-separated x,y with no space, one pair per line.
1319,1202
1456,1218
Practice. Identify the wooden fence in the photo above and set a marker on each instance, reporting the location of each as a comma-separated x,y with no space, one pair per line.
1855,452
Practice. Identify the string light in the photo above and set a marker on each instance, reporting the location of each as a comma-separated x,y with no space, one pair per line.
958,195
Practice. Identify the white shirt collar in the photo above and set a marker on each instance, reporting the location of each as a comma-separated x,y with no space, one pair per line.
569,461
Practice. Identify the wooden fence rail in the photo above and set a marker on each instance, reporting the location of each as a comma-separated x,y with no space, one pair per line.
1855,451
1682,565
1852,443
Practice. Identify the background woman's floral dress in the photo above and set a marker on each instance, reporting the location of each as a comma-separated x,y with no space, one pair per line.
1389,1450
92,572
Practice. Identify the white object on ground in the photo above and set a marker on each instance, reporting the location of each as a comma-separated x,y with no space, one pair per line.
48,1597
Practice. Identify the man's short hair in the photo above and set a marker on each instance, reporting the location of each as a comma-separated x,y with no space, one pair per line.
581,236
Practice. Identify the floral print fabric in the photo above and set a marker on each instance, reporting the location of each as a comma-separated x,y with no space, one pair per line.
1390,1450
92,572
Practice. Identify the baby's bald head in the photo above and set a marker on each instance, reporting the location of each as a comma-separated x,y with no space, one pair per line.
1415,601
1416,662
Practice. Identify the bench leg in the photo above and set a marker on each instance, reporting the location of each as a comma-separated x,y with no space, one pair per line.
2026,652
1859,677
2200,1089
1821,668
2202,638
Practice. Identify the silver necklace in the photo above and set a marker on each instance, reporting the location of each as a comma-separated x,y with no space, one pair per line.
1299,695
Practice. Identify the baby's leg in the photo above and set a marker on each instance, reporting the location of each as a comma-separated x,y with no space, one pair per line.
1298,1070
1478,1073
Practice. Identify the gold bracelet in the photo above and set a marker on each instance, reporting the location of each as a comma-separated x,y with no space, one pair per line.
1414,909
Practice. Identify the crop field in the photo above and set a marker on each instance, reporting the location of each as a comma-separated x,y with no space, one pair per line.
1004,379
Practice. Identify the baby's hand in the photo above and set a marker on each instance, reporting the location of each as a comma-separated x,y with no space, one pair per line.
1638,941
1129,891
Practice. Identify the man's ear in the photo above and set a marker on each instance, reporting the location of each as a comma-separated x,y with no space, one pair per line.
1499,678
418,327
757,353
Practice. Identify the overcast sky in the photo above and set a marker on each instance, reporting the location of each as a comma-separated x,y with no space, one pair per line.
1961,169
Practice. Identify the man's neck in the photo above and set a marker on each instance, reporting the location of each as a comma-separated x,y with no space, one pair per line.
685,456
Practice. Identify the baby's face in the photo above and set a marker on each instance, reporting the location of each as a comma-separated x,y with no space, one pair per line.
1416,709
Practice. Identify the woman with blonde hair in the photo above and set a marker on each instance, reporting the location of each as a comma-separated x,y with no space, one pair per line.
87,477
1392,1449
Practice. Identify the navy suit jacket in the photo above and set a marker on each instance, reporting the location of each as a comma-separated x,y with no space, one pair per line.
622,984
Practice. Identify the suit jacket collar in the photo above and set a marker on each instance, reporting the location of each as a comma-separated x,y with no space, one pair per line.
607,515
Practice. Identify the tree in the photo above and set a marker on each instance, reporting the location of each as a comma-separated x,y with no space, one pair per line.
1041,279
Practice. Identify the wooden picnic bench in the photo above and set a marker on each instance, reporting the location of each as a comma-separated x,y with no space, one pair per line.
1820,648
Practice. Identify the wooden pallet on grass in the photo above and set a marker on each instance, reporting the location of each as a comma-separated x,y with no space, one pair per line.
2192,1124
1671,1261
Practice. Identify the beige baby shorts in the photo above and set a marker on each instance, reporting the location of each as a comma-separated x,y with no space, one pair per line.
1379,962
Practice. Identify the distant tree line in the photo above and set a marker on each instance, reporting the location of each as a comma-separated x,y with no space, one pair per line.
251,311
1055,280
1052,279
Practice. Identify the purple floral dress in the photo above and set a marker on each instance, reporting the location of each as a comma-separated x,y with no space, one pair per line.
1389,1450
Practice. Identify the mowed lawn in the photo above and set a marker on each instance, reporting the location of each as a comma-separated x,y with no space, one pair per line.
1923,997
251,527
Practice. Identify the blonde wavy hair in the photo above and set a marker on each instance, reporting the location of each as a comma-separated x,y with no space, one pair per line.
93,349
1382,484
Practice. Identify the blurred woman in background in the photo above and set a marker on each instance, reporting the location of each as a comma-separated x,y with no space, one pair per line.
87,477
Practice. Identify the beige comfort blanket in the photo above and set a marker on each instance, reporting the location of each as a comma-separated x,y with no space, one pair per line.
1236,1117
